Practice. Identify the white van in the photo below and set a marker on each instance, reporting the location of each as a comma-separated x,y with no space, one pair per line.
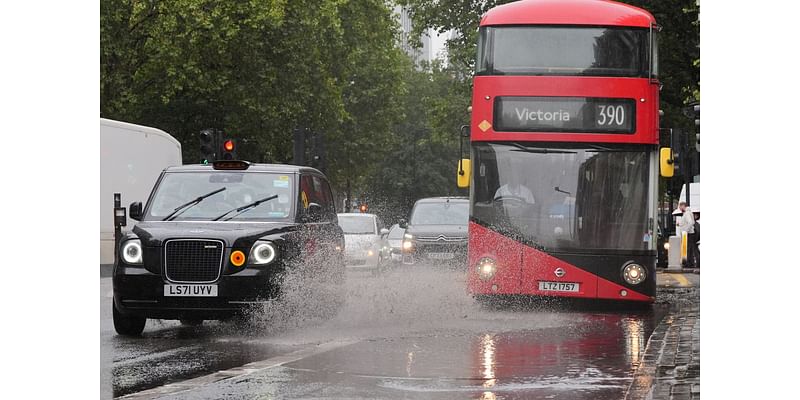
131,159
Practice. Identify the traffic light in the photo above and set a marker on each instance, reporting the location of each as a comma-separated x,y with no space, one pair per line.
228,150
697,124
678,145
363,208
206,147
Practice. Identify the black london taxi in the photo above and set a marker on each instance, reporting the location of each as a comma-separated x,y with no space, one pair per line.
215,240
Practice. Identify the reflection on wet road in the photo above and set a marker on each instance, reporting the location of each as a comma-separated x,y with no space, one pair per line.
414,333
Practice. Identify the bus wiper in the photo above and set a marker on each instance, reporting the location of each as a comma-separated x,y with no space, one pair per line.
597,148
245,207
183,207
540,150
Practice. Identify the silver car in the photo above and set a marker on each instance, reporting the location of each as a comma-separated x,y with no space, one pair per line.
365,241
395,245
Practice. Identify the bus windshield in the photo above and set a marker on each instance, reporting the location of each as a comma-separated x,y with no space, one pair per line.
554,50
564,198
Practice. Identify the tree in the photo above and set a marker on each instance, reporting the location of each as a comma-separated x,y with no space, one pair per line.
255,70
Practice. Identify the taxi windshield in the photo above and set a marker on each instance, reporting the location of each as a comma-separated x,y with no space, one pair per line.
241,188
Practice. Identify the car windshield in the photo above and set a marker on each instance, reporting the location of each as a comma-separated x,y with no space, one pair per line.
540,50
241,188
441,213
564,197
353,224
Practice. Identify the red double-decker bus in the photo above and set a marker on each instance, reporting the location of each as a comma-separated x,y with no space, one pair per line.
564,152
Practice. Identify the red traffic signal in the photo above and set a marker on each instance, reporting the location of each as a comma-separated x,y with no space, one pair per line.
228,149
363,208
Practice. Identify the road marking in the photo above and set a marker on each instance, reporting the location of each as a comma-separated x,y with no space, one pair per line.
247,369
681,279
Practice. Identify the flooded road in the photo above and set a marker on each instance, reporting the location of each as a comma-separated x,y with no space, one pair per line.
410,332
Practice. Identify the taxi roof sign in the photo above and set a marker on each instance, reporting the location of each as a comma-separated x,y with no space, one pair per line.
231,165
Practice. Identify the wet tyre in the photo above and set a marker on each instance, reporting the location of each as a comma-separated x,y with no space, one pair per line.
191,322
127,325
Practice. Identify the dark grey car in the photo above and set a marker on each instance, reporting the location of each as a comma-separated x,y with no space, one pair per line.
436,231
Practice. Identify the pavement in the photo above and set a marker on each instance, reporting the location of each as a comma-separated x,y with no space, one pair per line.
670,368
415,333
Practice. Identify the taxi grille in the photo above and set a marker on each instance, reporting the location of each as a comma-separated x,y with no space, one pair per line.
193,260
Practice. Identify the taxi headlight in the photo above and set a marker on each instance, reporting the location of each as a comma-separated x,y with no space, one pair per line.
486,268
132,251
263,253
634,273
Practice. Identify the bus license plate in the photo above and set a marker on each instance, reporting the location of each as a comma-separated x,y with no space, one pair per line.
176,290
441,256
559,286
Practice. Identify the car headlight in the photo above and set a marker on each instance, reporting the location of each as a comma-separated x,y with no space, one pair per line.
408,242
487,267
634,273
666,245
132,251
263,253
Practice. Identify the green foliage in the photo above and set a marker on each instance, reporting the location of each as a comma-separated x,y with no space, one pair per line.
257,69
423,150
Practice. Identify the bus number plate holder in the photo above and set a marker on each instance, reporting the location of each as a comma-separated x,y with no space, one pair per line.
547,286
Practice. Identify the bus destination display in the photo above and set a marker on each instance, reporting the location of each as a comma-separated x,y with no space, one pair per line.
565,114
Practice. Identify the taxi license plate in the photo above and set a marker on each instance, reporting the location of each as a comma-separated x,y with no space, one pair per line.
441,256
546,286
177,290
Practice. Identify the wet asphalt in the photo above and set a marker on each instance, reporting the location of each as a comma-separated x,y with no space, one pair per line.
409,332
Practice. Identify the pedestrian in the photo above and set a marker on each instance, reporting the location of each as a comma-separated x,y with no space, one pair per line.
697,239
686,224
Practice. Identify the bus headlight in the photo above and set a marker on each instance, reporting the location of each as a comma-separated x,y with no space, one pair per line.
634,273
132,251
263,253
487,267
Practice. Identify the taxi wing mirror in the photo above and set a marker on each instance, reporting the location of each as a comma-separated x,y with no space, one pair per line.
464,172
667,163
384,231
403,224
135,211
